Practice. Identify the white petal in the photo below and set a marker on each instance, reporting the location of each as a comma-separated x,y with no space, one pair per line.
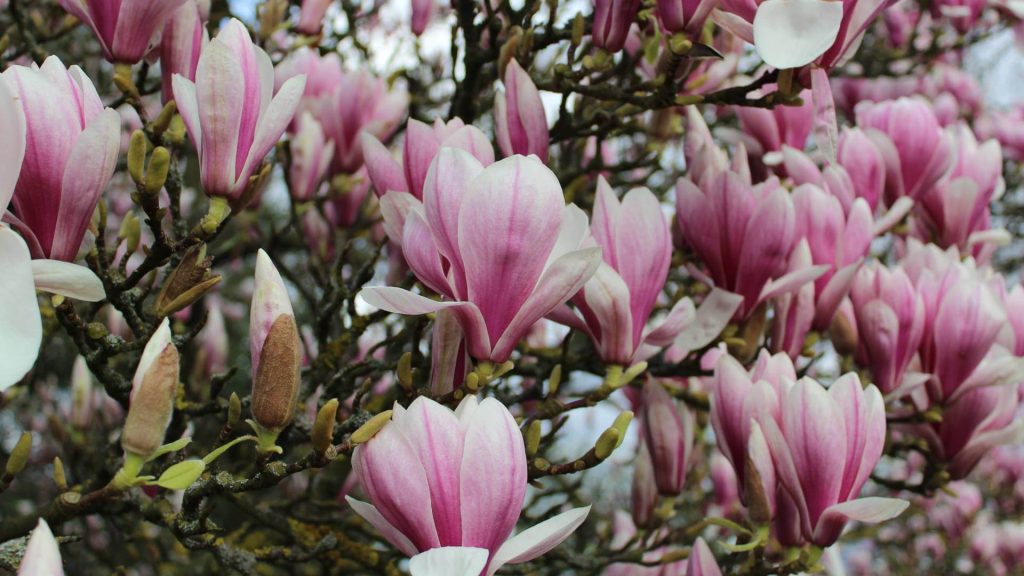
449,561
21,330
539,539
67,279
793,33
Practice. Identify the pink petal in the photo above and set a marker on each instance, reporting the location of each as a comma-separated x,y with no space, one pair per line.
220,99
421,254
446,185
493,476
507,227
42,555
702,562
384,170
866,510
372,515
712,317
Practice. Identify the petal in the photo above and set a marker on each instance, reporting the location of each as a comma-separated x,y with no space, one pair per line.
67,279
272,123
449,561
507,227
42,555
702,562
605,304
682,314
559,283
21,329
493,475
186,97
826,129
421,254
793,33
90,167
867,510
220,97
418,152
372,515
12,143
766,244
712,317
395,207
385,173
390,473
792,281
404,302
436,436
643,242
445,186
533,542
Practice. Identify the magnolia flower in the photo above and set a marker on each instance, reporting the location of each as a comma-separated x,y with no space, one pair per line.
151,403
21,328
743,234
275,349
311,16
617,301
668,434
182,42
42,555
612,21
824,446
422,141
422,13
440,479
127,29
767,131
498,243
520,123
890,317
794,33
346,104
863,162
916,151
685,15
229,110
71,152
311,159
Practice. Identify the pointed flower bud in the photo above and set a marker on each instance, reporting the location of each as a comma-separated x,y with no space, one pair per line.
42,555
188,282
151,403
612,20
275,347
520,121
311,158
311,16
229,112
127,29
668,432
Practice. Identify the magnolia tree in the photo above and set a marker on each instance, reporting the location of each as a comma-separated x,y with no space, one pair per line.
630,288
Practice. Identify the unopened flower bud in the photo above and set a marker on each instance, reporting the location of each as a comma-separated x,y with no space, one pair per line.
668,431
234,410
531,437
606,443
59,478
189,281
83,405
369,430
130,232
19,456
554,380
137,156
156,173
405,371
151,403
323,428
275,347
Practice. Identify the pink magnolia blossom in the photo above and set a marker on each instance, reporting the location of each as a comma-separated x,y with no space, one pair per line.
345,103
738,399
956,211
182,42
824,446
768,131
520,123
230,111
743,234
127,29
311,16
498,243
702,562
862,160
70,155
836,239
612,21
617,302
42,554
916,151
422,141
623,533
310,160
686,16
890,317
794,311
668,429
422,13
438,478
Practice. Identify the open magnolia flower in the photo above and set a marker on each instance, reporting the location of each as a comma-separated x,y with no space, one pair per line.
499,243
450,484
21,328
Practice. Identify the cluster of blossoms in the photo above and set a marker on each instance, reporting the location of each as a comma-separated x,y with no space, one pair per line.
782,300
